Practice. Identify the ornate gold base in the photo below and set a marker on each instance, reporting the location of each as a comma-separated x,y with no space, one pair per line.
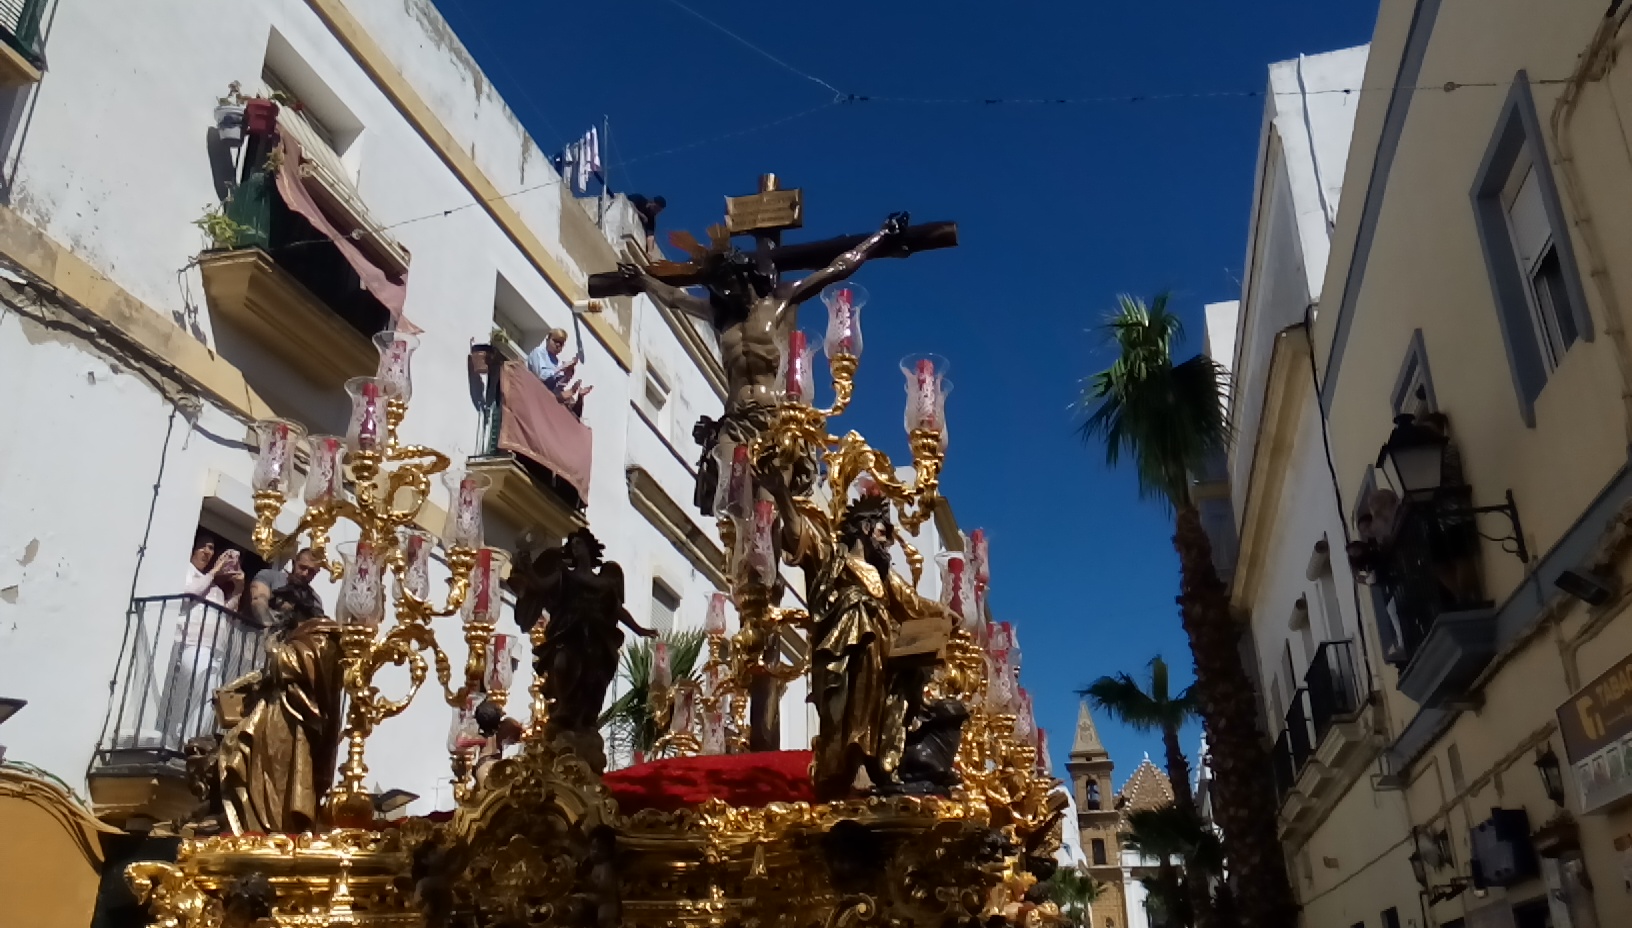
542,842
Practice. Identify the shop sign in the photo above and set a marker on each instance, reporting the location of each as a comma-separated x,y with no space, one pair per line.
1596,724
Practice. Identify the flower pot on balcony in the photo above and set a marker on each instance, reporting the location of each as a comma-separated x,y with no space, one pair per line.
229,122
260,116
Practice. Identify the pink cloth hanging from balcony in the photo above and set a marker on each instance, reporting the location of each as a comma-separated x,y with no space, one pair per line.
390,289
535,425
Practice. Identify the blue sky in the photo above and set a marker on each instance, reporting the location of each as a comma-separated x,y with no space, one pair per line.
1059,206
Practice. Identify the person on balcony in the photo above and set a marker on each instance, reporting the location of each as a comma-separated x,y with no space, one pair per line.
272,580
549,364
203,638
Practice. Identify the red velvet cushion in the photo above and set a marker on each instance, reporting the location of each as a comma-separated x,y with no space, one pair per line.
738,779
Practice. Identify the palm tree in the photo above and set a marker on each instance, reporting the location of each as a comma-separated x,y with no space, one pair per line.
1172,832
1157,709
632,724
1169,419
1073,890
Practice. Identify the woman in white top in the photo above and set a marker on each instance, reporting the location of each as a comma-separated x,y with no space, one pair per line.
202,641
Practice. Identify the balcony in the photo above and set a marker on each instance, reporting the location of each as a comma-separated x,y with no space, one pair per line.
535,452
1442,628
21,52
1324,731
301,276
177,651
1334,692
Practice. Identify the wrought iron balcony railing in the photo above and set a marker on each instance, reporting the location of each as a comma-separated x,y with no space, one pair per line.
1431,567
1300,731
177,651
20,27
1283,770
1333,686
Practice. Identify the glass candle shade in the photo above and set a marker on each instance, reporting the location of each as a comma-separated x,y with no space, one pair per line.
844,302
684,718
998,638
1000,685
715,675
417,545
464,527
762,554
927,388
366,430
958,589
980,556
734,489
362,592
662,672
396,351
501,663
464,736
796,380
326,475
275,461
714,621
485,598
1025,726
714,731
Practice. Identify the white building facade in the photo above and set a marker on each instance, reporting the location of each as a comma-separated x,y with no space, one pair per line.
1317,665
135,363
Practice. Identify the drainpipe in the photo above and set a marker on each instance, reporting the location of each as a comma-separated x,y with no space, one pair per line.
1594,63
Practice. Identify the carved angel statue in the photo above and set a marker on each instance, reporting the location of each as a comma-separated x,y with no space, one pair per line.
582,595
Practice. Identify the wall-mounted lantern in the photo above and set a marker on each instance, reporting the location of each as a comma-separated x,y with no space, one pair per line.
1552,774
1413,460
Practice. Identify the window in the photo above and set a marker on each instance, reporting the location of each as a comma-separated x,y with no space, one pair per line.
1098,846
654,399
1540,303
665,603
1537,256
1391,918
521,326
1414,387
1093,795
323,117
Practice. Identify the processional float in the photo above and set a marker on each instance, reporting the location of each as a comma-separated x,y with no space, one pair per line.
924,801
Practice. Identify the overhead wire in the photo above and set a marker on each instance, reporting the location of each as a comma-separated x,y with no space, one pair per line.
838,95
853,99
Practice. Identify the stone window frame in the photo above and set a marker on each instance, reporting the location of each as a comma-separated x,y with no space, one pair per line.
1518,134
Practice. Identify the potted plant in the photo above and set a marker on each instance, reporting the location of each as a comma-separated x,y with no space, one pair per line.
223,232
229,115
505,345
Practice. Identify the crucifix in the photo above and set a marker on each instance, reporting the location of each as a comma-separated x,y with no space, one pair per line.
749,305
754,311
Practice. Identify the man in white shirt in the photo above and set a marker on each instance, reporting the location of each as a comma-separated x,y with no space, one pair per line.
547,364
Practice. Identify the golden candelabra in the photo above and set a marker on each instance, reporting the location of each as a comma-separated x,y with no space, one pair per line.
390,486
